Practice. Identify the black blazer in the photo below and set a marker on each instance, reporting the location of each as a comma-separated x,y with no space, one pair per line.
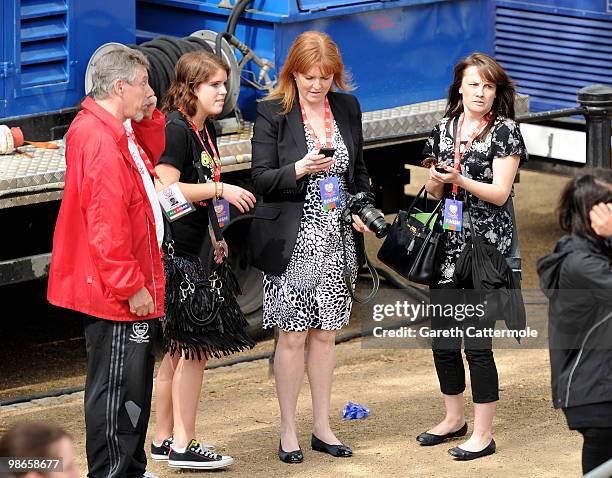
278,142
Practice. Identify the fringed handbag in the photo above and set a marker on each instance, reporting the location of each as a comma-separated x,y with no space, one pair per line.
203,317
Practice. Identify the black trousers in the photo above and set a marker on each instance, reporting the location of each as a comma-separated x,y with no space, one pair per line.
447,350
118,390
597,447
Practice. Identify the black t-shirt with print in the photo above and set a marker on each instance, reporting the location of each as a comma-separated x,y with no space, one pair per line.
182,149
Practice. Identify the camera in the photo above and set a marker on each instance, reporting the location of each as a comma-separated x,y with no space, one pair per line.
362,205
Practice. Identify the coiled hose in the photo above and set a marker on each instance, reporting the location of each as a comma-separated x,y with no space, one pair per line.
163,53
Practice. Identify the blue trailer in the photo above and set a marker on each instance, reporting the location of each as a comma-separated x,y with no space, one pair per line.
400,54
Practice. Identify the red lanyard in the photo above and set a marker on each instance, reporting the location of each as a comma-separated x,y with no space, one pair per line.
329,127
145,158
468,145
215,160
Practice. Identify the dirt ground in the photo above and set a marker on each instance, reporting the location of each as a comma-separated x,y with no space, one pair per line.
239,413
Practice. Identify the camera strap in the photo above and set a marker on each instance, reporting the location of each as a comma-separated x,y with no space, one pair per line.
346,272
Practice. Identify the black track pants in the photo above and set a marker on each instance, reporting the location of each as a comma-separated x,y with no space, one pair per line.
118,392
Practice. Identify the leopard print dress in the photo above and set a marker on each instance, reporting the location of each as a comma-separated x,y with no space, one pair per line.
311,293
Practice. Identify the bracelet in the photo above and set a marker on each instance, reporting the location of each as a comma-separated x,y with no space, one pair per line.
221,195
216,190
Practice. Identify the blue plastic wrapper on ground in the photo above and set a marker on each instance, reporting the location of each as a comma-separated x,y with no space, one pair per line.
354,411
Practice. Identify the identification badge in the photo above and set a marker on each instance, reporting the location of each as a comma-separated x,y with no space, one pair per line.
222,210
330,193
173,202
453,215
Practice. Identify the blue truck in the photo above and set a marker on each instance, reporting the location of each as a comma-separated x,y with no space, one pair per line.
400,54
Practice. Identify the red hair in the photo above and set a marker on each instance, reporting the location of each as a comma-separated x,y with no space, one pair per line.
308,50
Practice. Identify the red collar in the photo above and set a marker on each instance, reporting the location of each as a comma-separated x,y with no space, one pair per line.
114,125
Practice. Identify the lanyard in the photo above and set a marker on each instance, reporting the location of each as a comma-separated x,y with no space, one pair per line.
329,131
468,145
145,158
214,163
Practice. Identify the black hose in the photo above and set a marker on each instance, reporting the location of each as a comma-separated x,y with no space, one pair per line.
237,11
227,363
170,47
219,40
163,53
201,42
36,396
162,74
186,46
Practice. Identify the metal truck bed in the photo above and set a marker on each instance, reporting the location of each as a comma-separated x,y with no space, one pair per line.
28,180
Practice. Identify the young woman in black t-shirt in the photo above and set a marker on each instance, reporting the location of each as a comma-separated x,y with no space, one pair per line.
196,94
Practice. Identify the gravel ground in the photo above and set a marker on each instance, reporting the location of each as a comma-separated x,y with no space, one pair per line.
238,410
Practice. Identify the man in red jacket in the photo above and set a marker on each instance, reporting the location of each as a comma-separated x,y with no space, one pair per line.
106,261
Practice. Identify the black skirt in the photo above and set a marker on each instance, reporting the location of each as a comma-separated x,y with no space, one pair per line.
225,335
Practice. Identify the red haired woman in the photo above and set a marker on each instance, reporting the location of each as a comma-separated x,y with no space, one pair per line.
307,154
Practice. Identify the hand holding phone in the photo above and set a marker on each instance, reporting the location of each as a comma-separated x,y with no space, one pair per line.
328,152
440,167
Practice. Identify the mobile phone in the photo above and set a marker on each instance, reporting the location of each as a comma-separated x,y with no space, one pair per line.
328,152
439,167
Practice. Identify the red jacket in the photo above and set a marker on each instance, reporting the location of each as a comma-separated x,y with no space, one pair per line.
104,246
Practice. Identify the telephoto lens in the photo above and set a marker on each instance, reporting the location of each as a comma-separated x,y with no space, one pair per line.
375,221
362,205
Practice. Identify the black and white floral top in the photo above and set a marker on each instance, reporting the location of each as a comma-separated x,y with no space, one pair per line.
493,223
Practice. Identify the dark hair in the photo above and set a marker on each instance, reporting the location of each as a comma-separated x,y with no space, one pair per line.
584,191
490,70
192,69
29,440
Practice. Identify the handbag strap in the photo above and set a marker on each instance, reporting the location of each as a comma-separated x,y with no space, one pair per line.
474,237
435,211
212,215
513,256
416,198
197,164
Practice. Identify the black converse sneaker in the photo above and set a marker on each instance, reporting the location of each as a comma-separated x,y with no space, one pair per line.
161,452
195,456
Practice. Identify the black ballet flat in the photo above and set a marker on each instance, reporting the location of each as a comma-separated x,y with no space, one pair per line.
429,439
463,455
291,457
340,451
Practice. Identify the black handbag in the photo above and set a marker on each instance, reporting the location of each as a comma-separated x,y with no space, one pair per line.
203,316
481,267
411,246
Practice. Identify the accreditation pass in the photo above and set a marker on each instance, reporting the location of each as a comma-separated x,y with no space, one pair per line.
173,202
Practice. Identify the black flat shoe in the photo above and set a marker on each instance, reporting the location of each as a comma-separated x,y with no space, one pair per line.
291,457
463,455
341,451
429,439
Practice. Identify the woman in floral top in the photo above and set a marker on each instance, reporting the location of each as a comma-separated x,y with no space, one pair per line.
473,155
